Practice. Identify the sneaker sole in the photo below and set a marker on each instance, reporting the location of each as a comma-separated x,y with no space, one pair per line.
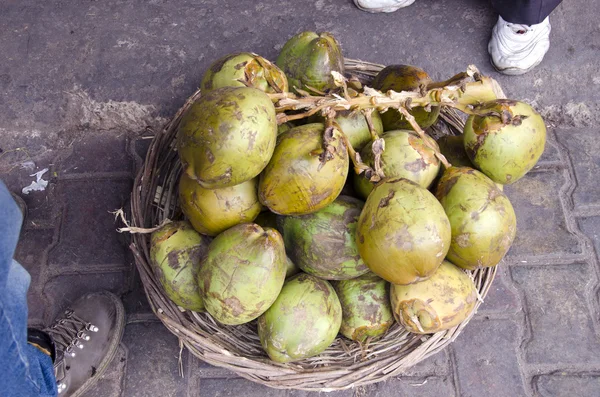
381,9
514,71
114,345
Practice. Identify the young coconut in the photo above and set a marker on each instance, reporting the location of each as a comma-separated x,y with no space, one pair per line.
403,233
441,302
212,211
227,137
176,251
308,59
366,310
405,156
323,243
285,127
481,216
244,69
307,171
505,139
405,78
243,273
303,321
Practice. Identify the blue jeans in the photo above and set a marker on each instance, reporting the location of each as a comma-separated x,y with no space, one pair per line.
26,371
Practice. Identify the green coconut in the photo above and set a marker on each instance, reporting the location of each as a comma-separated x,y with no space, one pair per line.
212,211
441,302
481,216
366,309
406,156
243,273
308,59
285,127
304,174
506,140
405,78
244,69
227,136
323,243
176,251
403,233
303,321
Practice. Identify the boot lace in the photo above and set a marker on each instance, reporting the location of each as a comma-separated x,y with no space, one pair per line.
69,332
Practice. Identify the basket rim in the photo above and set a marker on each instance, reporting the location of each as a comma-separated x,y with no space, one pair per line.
194,330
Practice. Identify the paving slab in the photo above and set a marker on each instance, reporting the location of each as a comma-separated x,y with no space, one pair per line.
111,383
564,384
487,358
542,228
59,291
152,361
561,329
88,232
586,165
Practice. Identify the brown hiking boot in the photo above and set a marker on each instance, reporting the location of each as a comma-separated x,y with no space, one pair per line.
86,339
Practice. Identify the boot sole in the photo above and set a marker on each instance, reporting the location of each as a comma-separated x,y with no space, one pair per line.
113,347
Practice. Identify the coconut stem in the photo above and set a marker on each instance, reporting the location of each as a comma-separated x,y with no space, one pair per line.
415,320
359,166
409,117
456,92
458,79
369,117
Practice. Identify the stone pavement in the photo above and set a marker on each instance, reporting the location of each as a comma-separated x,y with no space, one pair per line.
81,81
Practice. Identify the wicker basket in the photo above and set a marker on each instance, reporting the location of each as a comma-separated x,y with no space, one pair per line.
345,364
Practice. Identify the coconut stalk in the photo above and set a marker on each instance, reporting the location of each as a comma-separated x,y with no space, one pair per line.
462,91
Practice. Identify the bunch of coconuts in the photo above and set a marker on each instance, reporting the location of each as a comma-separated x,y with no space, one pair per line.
316,205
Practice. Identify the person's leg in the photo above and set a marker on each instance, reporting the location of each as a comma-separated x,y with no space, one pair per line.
525,12
28,371
82,342
521,37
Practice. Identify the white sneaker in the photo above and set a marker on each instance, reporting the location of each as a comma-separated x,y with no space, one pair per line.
382,5
516,49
